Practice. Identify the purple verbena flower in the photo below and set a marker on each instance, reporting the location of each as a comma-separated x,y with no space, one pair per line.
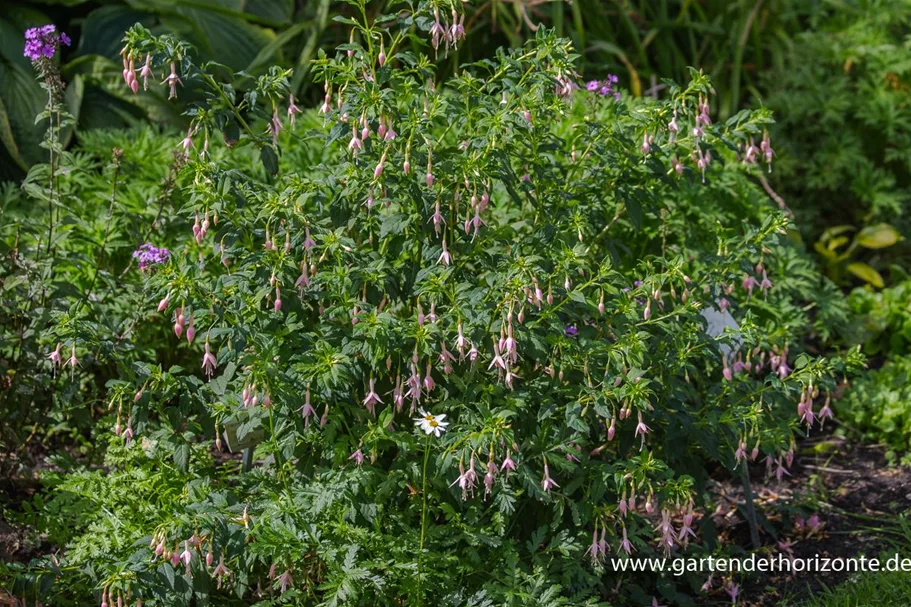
42,42
148,255
571,331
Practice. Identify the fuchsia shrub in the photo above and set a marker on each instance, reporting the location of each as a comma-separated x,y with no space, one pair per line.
469,338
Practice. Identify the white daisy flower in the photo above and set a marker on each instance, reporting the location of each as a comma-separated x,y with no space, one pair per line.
430,423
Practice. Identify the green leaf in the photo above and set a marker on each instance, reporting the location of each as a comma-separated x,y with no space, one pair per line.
269,159
877,237
866,273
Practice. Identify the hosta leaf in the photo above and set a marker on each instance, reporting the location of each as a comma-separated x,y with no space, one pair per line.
866,273
878,236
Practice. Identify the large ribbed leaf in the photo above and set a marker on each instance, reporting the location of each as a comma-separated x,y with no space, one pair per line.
22,96
102,31
280,11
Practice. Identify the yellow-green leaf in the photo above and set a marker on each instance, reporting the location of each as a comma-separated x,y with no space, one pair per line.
878,236
866,273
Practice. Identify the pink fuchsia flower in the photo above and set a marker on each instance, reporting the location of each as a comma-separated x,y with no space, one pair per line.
445,257
547,483
372,399
220,571
741,452
73,361
508,463
641,429
490,477
209,362
594,549
467,479
172,81
750,283
275,126
285,580
766,284
733,590
55,356
293,110
307,410
826,412
186,556
625,545
358,457
146,72
666,529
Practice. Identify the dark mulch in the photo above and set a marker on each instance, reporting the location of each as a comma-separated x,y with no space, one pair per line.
852,489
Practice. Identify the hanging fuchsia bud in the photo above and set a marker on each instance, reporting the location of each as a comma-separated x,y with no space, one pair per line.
133,82
646,147
191,331
379,167
163,303
210,558
381,58
406,167
726,371
672,127
527,115
612,429
766,146
138,396
277,306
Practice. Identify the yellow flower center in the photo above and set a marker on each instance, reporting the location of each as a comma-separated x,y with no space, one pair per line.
434,423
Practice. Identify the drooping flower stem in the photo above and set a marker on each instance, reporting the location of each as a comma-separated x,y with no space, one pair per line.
423,519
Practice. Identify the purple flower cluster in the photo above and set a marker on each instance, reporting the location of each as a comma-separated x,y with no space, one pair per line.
43,42
149,255
604,87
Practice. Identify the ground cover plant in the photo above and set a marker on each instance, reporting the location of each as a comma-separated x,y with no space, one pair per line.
844,164
462,325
